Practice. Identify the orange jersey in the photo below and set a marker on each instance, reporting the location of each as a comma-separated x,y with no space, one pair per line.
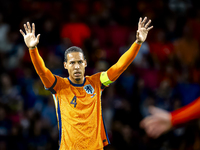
79,113
78,106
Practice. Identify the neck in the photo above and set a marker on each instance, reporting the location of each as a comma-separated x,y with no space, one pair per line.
75,81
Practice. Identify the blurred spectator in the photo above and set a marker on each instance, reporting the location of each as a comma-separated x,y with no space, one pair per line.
194,23
48,113
180,7
9,93
50,33
38,137
161,49
186,48
151,77
75,31
16,139
4,29
186,90
15,53
5,126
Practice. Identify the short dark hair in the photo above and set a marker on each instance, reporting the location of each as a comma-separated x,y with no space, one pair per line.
73,49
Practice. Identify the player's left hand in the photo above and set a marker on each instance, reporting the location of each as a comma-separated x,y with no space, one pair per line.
143,29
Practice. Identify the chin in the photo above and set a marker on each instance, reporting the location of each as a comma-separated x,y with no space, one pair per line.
78,79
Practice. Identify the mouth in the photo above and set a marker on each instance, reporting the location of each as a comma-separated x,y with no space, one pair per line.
77,74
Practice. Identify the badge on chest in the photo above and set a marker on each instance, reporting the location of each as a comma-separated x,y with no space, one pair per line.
89,89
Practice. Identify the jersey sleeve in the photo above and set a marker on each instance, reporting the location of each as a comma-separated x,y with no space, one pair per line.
124,61
186,113
48,79
56,86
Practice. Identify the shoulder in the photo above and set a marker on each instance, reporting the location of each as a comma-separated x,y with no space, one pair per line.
60,78
58,84
95,76
61,81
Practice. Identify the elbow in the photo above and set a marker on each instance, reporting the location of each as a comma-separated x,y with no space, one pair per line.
41,73
121,69
116,72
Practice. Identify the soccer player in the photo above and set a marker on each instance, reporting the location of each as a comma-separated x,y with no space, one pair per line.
161,121
78,97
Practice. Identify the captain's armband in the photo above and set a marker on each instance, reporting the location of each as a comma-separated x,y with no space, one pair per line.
104,79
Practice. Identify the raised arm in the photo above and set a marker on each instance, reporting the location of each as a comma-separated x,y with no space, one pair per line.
31,42
125,60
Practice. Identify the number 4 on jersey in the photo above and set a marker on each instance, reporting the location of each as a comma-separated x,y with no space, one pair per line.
73,101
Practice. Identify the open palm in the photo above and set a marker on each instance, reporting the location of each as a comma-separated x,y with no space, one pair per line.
143,29
29,38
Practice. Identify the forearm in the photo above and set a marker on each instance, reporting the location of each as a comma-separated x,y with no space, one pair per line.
186,113
37,61
44,73
124,61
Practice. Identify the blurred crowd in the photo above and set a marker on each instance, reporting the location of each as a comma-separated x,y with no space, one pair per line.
165,73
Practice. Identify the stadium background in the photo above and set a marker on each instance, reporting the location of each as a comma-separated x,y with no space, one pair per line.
165,73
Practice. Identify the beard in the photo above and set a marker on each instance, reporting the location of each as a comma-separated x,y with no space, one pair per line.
78,79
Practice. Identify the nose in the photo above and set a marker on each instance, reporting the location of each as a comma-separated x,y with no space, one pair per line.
77,66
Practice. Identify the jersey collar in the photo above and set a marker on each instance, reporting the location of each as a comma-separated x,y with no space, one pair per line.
74,84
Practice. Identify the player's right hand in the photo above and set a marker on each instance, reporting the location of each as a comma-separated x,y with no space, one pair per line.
29,38
157,123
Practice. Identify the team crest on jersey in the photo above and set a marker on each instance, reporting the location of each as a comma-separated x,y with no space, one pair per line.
89,89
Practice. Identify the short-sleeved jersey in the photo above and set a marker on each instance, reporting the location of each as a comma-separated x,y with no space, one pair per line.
79,113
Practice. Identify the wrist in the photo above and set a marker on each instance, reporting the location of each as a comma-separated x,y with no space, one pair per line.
138,42
31,48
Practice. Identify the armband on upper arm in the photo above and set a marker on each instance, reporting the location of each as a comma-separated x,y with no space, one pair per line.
104,79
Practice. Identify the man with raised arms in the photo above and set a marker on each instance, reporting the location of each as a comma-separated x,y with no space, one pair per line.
78,98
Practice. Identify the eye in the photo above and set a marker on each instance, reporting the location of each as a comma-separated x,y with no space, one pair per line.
80,62
72,62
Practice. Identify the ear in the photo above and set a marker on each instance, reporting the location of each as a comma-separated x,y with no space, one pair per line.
85,63
65,65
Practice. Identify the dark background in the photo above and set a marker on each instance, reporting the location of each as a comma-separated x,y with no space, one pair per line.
165,73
